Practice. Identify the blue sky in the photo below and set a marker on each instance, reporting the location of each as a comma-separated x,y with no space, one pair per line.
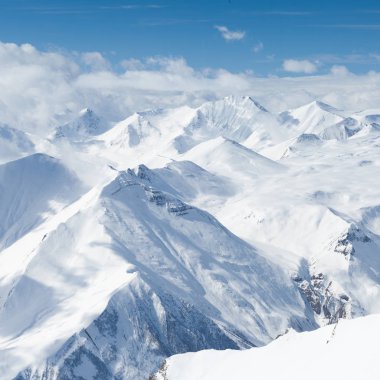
269,37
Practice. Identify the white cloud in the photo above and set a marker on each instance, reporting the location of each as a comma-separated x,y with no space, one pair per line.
339,70
230,35
95,60
43,89
132,64
258,47
299,66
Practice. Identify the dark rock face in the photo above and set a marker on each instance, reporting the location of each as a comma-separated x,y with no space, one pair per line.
144,173
177,207
317,293
161,373
308,138
131,338
156,196
345,244
319,290
312,296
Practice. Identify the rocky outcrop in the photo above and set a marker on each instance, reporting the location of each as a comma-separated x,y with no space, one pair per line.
328,306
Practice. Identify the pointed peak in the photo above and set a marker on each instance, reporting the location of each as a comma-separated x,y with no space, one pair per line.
237,101
324,106
143,172
315,107
86,123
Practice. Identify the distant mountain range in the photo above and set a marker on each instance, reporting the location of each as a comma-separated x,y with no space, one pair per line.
185,229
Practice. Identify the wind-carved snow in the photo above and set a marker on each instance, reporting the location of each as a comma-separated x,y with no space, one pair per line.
213,227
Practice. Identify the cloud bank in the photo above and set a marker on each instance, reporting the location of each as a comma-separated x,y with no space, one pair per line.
296,66
40,90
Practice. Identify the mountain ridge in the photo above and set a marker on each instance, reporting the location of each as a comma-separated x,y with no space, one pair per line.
219,226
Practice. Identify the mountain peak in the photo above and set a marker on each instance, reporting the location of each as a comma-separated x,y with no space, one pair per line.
311,118
243,100
86,124
324,107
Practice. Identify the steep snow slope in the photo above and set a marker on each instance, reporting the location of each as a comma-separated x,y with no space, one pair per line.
32,188
311,118
167,264
345,351
225,157
193,184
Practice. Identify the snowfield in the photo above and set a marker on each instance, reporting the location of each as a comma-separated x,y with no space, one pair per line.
344,351
177,230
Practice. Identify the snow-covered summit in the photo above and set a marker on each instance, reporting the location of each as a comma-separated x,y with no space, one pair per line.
311,118
85,125
233,117
180,129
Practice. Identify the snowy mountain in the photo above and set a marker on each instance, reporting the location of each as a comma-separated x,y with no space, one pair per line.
311,118
234,118
155,247
216,227
85,125
31,189
347,351
176,131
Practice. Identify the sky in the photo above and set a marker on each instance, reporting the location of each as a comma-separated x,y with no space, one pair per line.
271,37
118,57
